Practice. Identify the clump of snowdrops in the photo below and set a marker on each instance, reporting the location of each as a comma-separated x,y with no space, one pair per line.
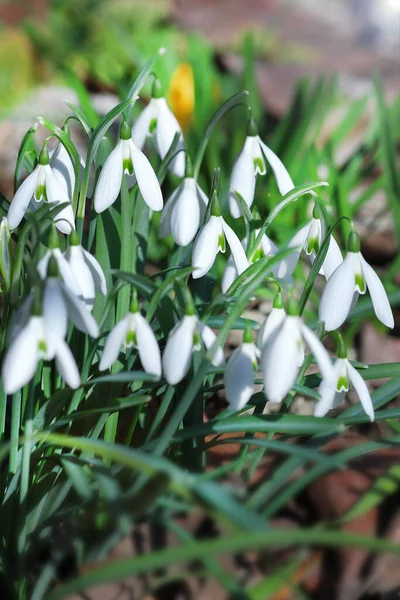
81,340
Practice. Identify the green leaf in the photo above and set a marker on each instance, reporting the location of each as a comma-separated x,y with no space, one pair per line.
27,148
82,118
122,377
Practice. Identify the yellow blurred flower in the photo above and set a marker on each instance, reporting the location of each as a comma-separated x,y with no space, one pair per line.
181,94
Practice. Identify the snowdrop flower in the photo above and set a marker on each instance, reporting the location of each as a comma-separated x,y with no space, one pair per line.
183,340
126,158
36,341
283,355
272,322
59,304
6,254
133,330
212,239
240,371
158,121
184,210
352,277
62,166
42,185
333,393
251,162
309,239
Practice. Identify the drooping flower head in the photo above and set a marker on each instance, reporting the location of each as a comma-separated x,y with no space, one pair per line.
352,277
158,121
126,158
274,319
240,372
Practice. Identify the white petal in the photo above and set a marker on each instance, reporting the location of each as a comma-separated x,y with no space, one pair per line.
141,127
239,376
205,247
378,295
238,254
146,179
57,194
203,201
62,167
283,179
271,323
21,359
55,317
268,247
97,272
149,351
362,390
82,273
178,351
166,129
299,239
320,354
166,215
185,215
79,314
333,258
243,179
21,200
279,359
66,365
337,295
113,344
229,276
209,337
109,182
67,273
327,391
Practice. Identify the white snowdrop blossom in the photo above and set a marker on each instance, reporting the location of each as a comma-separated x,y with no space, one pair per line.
42,185
31,345
309,240
133,330
158,121
240,371
126,158
212,239
352,277
182,341
272,322
183,212
333,393
283,355
250,162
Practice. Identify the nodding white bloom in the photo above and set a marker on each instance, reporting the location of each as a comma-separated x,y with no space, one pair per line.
37,341
158,120
63,168
283,354
126,158
6,254
333,393
354,276
183,340
250,162
60,303
42,185
239,373
212,239
133,330
272,322
184,211
309,239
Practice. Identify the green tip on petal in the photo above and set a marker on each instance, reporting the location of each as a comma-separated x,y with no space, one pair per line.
44,158
278,300
125,130
36,310
74,239
248,335
353,244
292,308
54,241
216,210
188,167
252,129
156,90
52,268
134,305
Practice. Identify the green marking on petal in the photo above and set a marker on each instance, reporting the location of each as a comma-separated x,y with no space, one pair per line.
312,245
221,243
42,346
259,166
128,165
40,193
360,283
153,125
196,341
342,384
131,339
